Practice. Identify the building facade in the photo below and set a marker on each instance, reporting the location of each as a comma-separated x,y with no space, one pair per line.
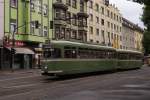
35,21
20,17
138,38
57,20
104,24
70,20
132,36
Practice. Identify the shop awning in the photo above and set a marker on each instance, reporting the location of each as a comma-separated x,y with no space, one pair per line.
23,51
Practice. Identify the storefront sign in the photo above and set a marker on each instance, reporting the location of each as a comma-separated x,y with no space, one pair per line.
17,43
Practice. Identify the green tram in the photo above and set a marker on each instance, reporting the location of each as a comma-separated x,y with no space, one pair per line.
65,57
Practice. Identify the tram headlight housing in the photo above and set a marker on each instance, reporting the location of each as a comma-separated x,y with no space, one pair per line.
45,67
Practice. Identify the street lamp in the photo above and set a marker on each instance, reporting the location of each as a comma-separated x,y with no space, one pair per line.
13,51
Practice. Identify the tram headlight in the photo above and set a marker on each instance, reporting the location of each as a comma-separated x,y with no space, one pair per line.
45,67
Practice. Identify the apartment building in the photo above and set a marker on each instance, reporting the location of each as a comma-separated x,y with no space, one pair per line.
104,24
35,21
20,17
132,36
70,20
138,38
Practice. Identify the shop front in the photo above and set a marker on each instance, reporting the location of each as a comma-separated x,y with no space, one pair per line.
23,58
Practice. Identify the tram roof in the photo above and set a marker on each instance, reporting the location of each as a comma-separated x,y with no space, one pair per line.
84,45
128,51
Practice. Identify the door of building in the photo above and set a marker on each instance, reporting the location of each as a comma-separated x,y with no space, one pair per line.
26,61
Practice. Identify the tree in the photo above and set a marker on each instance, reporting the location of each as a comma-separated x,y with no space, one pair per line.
146,21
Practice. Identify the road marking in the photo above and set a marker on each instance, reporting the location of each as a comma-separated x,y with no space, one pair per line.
18,78
22,86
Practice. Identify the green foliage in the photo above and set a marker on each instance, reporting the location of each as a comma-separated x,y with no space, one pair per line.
146,42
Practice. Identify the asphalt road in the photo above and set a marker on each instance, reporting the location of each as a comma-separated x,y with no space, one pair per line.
30,85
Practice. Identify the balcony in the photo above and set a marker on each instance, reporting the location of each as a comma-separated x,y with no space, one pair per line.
60,22
82,28
60,5
82,14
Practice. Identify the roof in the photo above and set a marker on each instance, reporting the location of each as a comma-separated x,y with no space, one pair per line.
128,51
84,45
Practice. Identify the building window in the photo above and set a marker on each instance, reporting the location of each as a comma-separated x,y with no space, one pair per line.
108,24
74,20
120,29
102,9
39,6
57,32
102,22
13,3
45,10
32,4
108,13
91,17
68,17
114,27
97,7
45,31
114,16
97,31
112,36
62,33
103,36
40,30
74,34
74,3
111,15
57,14
120,38
91,40
63,14
32,27
84,22
81,6
13,25
68,2
91,30
91,4
111,25
97,19
109,37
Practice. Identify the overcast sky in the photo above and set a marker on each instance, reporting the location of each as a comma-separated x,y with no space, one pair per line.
129,10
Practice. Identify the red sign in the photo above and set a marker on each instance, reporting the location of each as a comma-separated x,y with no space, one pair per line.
17,43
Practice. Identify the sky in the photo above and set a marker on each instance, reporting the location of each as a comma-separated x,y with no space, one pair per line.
130,10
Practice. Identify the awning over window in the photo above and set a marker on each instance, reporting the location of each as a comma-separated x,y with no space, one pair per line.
23,51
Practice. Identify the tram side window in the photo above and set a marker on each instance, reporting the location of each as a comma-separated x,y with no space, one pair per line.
52,53
111,55
70,54
123,56
56,53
